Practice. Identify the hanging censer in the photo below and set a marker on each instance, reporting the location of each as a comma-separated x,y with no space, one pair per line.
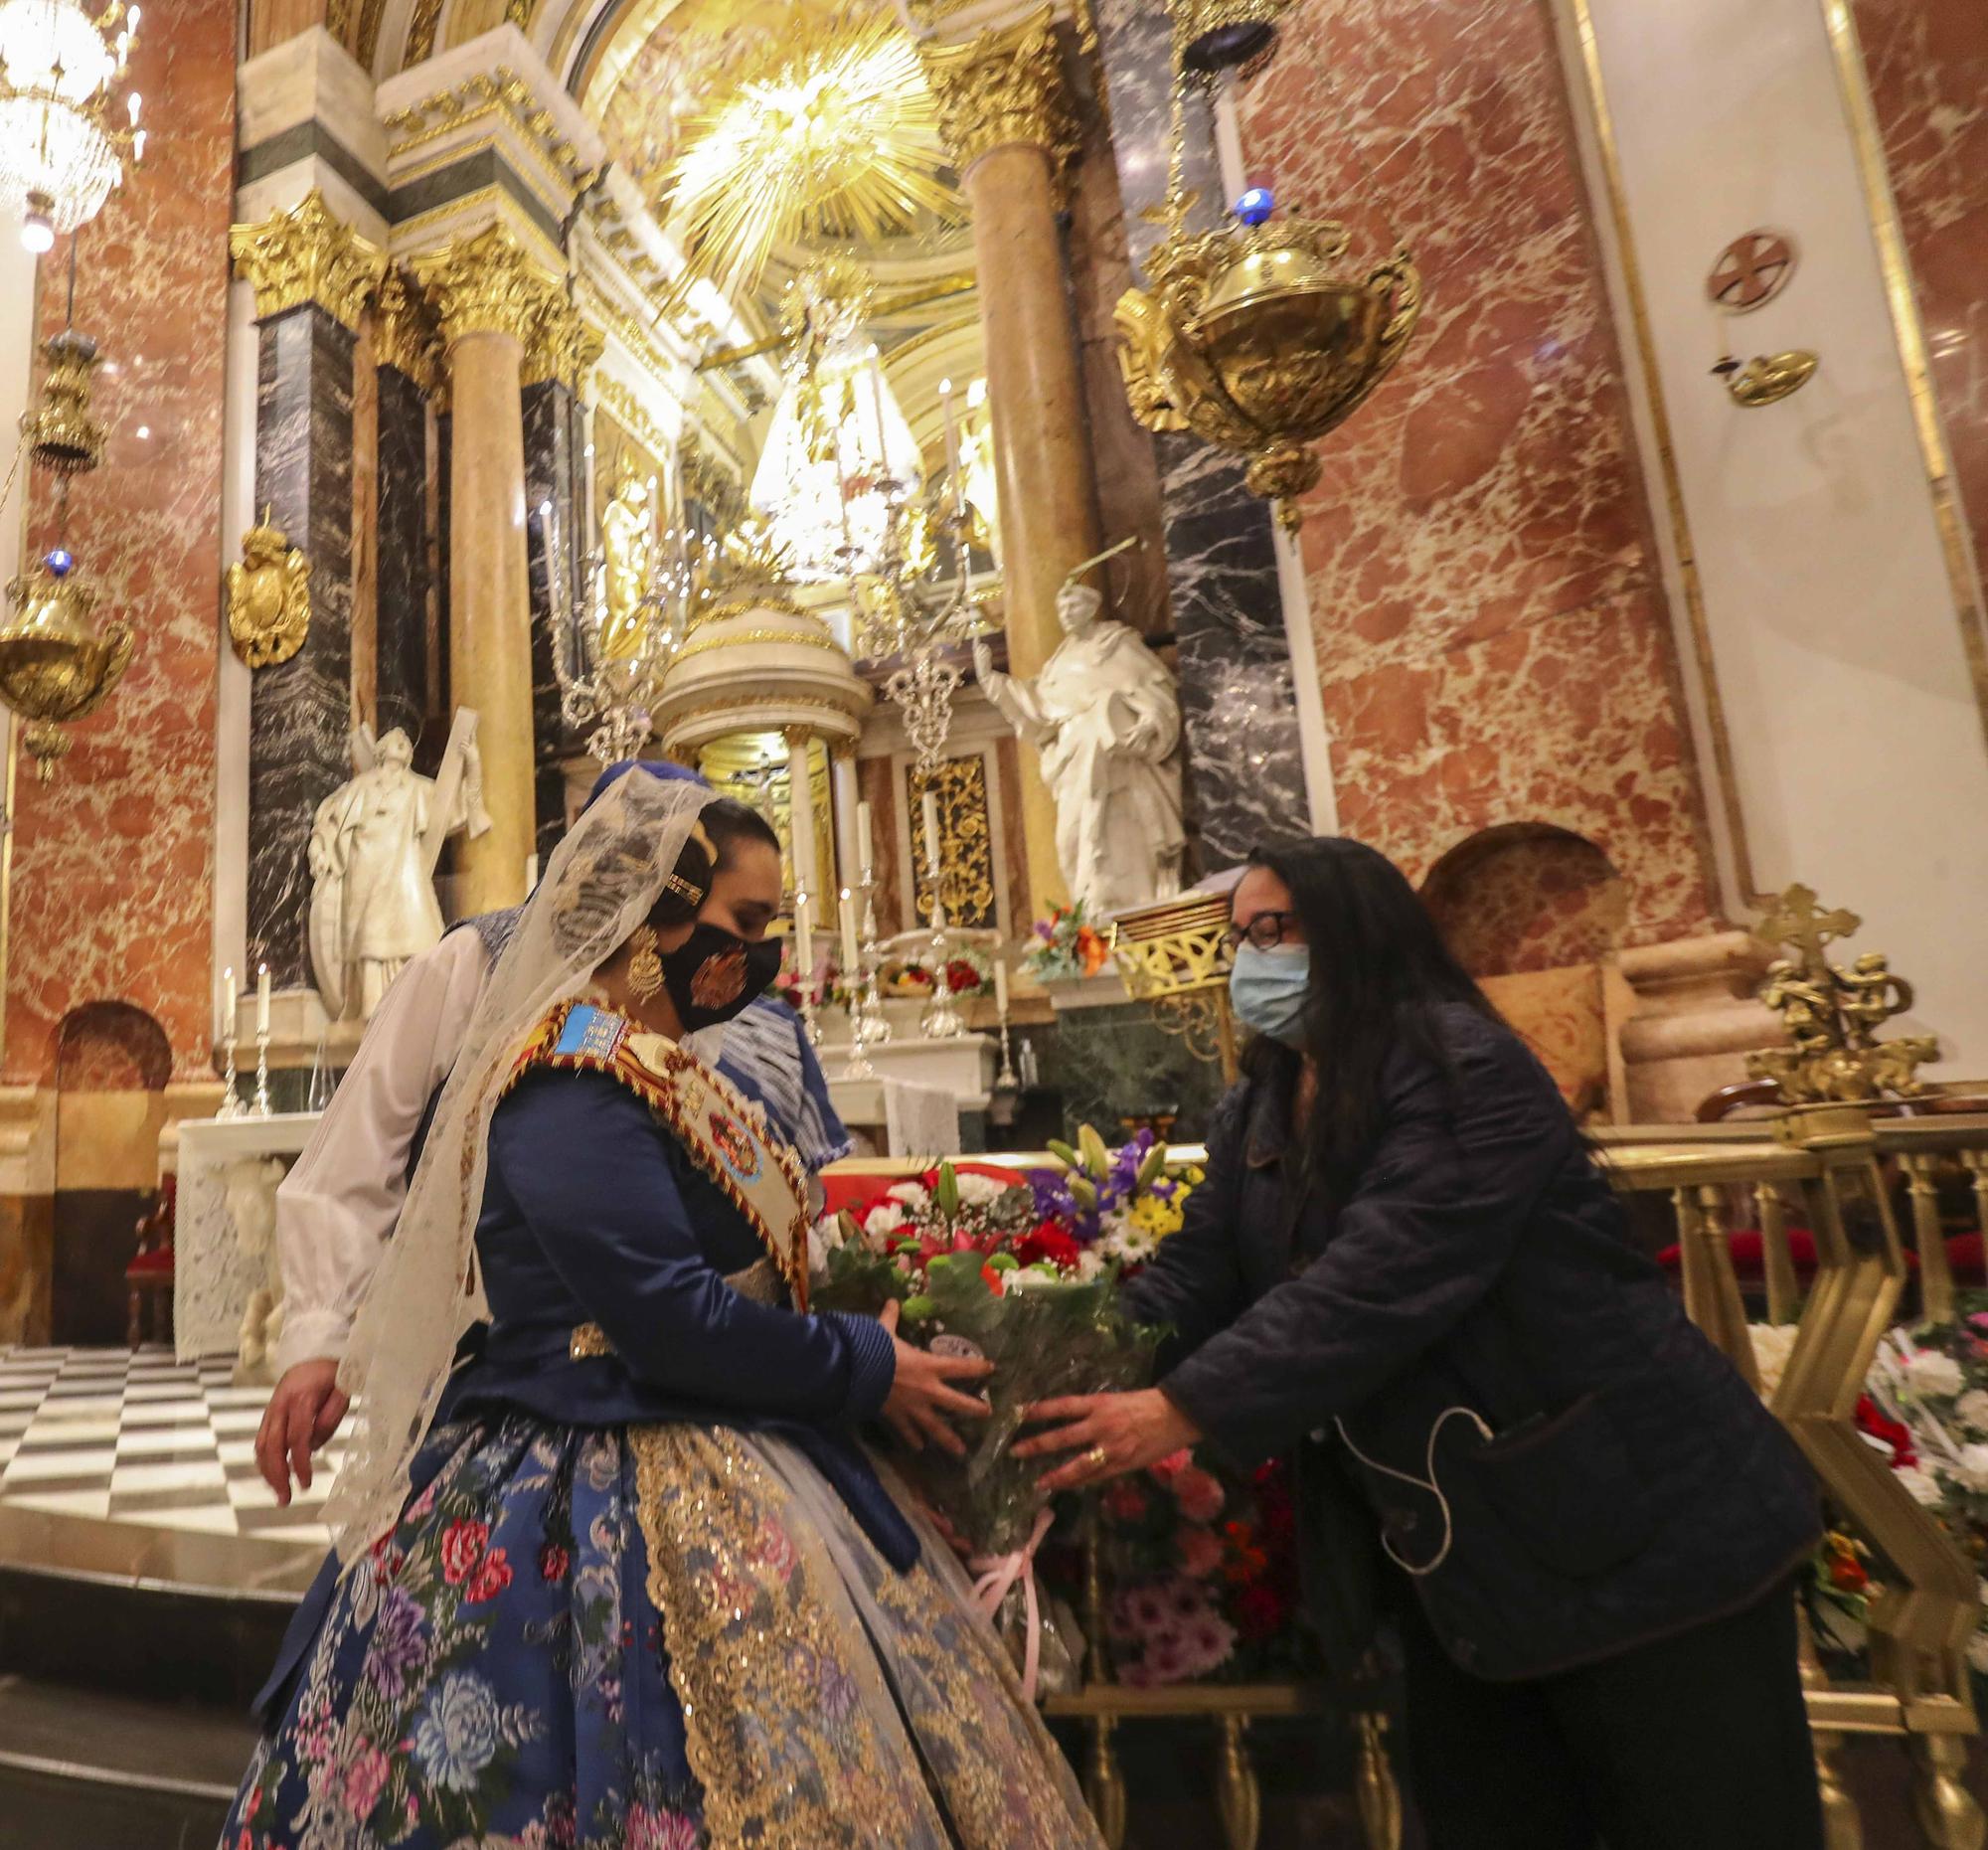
1248,335
56,665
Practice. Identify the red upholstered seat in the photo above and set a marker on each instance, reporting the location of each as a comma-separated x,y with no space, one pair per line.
1744,1245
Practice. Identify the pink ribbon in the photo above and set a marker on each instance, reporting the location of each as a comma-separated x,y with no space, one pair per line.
997,1574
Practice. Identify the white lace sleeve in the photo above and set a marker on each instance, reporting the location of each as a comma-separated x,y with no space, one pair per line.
337,1208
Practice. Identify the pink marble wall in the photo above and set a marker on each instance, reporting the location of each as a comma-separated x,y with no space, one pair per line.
1493,637
1928,67
112,880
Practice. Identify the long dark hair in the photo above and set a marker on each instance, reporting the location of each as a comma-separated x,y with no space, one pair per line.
726,823
1379,972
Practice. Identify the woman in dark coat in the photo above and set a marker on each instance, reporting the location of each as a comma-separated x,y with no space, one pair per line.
1405,1272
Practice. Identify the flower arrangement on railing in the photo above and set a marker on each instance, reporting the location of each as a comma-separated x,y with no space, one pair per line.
825,985
1926,1408
1065,947
967,972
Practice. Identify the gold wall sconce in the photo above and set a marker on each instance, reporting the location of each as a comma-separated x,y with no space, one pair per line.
1767,379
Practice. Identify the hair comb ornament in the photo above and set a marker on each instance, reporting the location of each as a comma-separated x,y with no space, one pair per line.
686,889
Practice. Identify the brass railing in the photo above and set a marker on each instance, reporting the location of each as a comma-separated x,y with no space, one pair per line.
1841,1168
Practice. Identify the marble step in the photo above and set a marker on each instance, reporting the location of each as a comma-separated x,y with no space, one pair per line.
194,1619
81,1770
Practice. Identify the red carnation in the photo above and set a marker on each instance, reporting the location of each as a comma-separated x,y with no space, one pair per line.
962,976
1848,1572
1047,1241
1890,1432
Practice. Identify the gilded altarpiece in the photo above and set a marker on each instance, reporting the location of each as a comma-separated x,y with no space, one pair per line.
967,883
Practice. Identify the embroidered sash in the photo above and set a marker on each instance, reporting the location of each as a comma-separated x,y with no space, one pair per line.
698,1107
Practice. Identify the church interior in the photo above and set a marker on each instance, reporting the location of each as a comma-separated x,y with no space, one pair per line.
1034,456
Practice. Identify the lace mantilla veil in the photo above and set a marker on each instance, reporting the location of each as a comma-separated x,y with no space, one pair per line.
600,884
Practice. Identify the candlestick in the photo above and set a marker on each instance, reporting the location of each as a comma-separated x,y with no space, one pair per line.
804,963
857,1065
867,1017
263,1002
230,1091
262,1072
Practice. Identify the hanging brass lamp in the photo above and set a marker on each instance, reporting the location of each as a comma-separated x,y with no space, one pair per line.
61,435
1253,338
54,666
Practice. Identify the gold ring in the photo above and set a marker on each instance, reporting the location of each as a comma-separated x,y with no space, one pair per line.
1096,1458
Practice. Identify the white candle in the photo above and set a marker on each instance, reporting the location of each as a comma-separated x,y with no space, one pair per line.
848,930
1001,988
228,1002
803,939
864,843
951,432
931,833
262,999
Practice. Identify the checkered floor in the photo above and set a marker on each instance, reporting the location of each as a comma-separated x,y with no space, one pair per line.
138,1437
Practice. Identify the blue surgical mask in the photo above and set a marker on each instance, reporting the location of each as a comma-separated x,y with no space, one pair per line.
1267,990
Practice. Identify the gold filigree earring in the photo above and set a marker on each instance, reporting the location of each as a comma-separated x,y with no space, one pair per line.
645,964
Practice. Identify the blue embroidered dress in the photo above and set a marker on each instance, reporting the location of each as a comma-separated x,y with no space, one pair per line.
649,1591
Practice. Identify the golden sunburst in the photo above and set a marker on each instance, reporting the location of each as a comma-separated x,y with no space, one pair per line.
836,136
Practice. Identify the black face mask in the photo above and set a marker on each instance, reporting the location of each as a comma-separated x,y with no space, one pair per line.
715,974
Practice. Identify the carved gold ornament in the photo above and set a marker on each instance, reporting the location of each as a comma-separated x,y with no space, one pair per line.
1767,379
1831,1015
55,667
61,435
269,598
966,826
1248,338
1003,88
750,568
561,346
486,284
404,334
307,254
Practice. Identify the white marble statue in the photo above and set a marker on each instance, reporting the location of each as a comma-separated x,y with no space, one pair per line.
373,851
1106,717
248,1184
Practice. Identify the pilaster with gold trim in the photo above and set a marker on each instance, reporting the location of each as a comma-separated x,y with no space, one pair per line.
410,386
313,276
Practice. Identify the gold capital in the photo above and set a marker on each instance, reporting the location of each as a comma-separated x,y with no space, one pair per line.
1002,88
404,335
561,345
485,284
307,254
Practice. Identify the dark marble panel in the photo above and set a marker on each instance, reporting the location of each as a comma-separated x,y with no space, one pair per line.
554,478
1245,766
300,713
443,453
407,577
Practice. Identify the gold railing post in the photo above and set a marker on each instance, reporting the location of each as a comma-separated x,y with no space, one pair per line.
1777,1266
1936,1303
1711,1286
1236,1795
1976,1163
1842,1823
1375,1785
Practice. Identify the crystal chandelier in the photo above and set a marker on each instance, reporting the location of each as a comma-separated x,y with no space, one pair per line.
60,154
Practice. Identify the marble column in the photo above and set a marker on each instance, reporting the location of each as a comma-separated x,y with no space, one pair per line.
1007,124
556,531
408,351
1245,764
487,296
311,275
800,821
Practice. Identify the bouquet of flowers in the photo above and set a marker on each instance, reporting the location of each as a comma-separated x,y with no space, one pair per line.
1111,1206
1202,1567
1925,1407
963,1257
1065,947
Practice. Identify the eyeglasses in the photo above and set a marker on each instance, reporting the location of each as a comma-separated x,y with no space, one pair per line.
1266,932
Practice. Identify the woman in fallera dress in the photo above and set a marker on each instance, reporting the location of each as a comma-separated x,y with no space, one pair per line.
627,1577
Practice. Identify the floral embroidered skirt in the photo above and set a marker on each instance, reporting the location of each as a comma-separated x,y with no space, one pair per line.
664,1637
